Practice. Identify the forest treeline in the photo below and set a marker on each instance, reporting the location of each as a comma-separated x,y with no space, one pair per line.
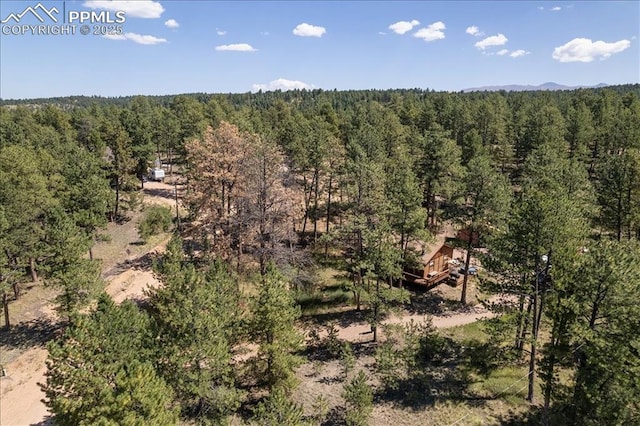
339,99
273,183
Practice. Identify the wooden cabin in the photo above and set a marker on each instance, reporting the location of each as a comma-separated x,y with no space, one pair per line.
436,268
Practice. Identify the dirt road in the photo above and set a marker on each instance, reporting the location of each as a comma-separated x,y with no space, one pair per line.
361,331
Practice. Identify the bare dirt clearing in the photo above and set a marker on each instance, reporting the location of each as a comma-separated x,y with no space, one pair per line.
20,395
132,282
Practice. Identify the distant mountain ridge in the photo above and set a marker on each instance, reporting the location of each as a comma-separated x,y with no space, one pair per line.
523,88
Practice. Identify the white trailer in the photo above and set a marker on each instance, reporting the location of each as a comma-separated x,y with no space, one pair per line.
156,175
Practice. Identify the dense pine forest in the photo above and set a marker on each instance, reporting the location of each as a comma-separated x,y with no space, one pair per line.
298,211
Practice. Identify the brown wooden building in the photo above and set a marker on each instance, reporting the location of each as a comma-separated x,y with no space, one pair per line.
436,268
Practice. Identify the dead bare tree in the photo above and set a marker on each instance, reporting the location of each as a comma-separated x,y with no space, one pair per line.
242,195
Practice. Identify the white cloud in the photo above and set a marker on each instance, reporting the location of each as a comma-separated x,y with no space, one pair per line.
238,47
502,52
308,30
540,8
115,36
133,9
264,33
585,50
402,27
144,39
432,32
282,84
496,40
381,33
137,38
474,31
171,23
518,53
556,8
220,32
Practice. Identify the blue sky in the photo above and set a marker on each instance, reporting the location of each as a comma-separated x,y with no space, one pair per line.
170,47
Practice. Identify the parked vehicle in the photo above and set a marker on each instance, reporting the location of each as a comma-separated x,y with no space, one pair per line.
156,175
472,270
454,276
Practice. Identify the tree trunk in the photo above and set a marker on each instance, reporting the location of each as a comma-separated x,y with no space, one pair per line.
340,215
434,217
374,325
315,209
559,330
223,199
525,327
307,201
427,202
520,324
374,328
326,244
32,269
5,307
467,262
229,198
115,212
403,236
316,178
532,355
547,391
534,333
263,218
357,282
16,291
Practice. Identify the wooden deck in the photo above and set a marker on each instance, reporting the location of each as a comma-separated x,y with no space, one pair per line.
431,279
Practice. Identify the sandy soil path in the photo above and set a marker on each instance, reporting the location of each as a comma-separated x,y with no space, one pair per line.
131,283
19,392
361,331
